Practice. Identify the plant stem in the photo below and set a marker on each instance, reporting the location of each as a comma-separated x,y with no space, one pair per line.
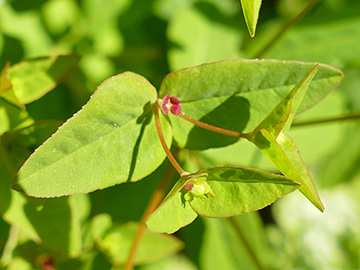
213,128
246,243
10,245
153,204
163,143
284,28
328,120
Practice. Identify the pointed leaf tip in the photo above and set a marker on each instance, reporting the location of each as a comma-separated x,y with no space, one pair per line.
251,10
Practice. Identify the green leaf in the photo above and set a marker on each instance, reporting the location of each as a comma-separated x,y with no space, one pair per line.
12,117
284,154
31,79
173,213
55,223
238,95
99,225
251,10
239,190
117,242
6,90
113,139
15,148
285,110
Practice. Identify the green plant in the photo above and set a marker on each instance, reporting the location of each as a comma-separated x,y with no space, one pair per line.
125,133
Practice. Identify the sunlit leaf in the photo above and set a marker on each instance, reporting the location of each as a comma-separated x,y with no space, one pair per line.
113,139
12,117
238,95
285,110
251,10
237,190
173,213
6,90
53,222
31,79
285,155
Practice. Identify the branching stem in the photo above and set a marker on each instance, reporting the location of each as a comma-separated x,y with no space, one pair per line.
153,204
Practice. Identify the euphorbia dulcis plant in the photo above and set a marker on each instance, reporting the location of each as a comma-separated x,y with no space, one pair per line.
127,128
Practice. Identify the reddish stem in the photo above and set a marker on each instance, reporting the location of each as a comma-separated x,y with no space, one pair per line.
213,128
163,143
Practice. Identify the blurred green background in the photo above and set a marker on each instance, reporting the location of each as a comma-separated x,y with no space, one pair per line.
154,37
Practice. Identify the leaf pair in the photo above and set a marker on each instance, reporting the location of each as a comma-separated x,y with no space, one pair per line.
113,139
230,198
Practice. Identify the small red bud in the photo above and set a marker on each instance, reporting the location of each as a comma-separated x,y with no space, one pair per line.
189,186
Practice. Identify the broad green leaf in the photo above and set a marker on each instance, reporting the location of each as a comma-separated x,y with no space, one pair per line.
117,242
251,10
112,140
12,117
238,95
285,110
31,79
239,190
284,154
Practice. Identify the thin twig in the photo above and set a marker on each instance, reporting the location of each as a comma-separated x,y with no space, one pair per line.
328,120
163,143
153,204
284,28
246,243
213,128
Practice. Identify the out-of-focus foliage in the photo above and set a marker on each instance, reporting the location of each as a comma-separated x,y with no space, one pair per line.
151,38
